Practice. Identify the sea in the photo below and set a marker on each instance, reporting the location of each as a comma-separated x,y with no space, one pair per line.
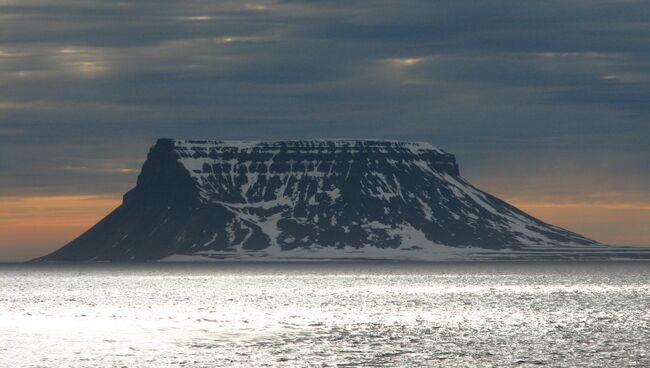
319,314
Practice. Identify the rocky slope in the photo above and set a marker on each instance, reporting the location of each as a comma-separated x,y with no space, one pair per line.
315,199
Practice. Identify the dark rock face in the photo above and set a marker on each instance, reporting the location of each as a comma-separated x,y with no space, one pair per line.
308,199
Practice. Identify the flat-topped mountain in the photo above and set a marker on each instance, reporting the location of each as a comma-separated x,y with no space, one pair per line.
314,199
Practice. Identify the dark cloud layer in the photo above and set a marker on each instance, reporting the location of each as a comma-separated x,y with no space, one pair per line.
514,88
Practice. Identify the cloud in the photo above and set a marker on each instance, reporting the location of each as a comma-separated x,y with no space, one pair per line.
543,102
499,81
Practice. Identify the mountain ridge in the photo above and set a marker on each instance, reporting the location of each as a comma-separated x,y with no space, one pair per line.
313,199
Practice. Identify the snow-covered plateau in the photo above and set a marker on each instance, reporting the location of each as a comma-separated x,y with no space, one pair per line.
205,201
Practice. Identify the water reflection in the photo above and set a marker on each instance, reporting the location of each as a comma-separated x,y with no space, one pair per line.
379,314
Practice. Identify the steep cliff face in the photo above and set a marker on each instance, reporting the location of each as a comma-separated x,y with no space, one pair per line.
311,199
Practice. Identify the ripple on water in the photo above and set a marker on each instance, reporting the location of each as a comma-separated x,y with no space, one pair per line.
375,314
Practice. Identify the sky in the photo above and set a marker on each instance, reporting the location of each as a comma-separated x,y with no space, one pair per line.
544,103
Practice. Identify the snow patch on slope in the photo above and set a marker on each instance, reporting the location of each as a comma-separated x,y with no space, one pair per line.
244,188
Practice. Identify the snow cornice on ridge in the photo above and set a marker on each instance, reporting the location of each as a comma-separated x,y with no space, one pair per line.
306,144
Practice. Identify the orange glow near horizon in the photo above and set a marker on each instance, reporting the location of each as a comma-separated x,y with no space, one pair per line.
616,223
33,226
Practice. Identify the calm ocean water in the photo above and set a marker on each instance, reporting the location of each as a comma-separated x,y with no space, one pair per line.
326,315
